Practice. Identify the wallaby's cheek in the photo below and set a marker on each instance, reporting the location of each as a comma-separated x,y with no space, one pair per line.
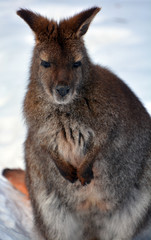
46,84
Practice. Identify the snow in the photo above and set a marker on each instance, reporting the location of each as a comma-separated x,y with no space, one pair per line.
15,213
119,38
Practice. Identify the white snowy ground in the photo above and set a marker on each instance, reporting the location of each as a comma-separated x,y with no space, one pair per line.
119,38
15,214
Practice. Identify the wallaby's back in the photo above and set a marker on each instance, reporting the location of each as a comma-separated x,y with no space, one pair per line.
88,146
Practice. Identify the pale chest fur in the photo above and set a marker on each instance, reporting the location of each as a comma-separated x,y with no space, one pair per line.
68,138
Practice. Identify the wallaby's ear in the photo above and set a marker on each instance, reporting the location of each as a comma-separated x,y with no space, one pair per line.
34,20
37,23
42,27
80,22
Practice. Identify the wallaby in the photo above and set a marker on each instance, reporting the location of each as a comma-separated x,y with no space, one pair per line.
87,152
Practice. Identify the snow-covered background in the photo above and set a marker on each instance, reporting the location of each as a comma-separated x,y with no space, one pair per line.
119,38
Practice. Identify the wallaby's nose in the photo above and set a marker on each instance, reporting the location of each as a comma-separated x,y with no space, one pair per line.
63,90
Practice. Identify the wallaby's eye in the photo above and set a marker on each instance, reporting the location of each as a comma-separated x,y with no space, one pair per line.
45,64
77,64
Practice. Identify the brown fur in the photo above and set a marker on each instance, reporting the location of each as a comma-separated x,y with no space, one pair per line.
88,146
17,179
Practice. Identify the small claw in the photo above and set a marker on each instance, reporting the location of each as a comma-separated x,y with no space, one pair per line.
86,176
85,181
72,177
70,174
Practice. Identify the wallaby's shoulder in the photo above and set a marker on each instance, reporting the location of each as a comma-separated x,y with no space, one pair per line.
105,85
114,96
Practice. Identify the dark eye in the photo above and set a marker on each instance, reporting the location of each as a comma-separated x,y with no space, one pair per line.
45,64
77,64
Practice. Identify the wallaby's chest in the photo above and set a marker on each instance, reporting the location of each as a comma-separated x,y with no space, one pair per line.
70,139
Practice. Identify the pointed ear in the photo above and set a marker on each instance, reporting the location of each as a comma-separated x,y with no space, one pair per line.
41,26
34,20
82,21
86,17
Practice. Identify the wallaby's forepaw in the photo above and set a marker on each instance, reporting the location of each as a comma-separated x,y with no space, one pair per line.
70,173
85,175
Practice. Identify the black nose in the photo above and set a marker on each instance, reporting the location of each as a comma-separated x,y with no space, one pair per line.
62,90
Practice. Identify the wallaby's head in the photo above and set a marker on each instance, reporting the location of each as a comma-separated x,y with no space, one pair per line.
60,62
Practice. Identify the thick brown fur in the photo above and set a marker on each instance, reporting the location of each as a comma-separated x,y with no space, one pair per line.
88,153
